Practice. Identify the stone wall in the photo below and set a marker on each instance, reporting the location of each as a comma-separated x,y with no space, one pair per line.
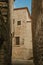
24,32
5,48
20,52
37,15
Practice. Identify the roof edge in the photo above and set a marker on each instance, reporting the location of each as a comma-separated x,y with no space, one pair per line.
24,8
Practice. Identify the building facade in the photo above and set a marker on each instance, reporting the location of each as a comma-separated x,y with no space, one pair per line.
22,35
5,32
37,30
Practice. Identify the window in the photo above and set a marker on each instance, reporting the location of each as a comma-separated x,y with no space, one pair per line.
17,40
18,22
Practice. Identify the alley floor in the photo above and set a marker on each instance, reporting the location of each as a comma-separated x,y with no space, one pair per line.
22,62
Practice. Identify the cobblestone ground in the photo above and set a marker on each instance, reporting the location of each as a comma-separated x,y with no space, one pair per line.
22,62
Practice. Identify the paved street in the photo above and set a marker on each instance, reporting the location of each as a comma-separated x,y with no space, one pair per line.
22,62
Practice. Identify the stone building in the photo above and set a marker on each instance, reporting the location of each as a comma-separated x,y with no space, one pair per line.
22,34
37,30
6,8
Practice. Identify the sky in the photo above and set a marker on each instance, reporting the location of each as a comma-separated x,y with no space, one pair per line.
23,3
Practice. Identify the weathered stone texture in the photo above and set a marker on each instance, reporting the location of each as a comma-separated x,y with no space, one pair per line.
24,32
37,30
5,53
